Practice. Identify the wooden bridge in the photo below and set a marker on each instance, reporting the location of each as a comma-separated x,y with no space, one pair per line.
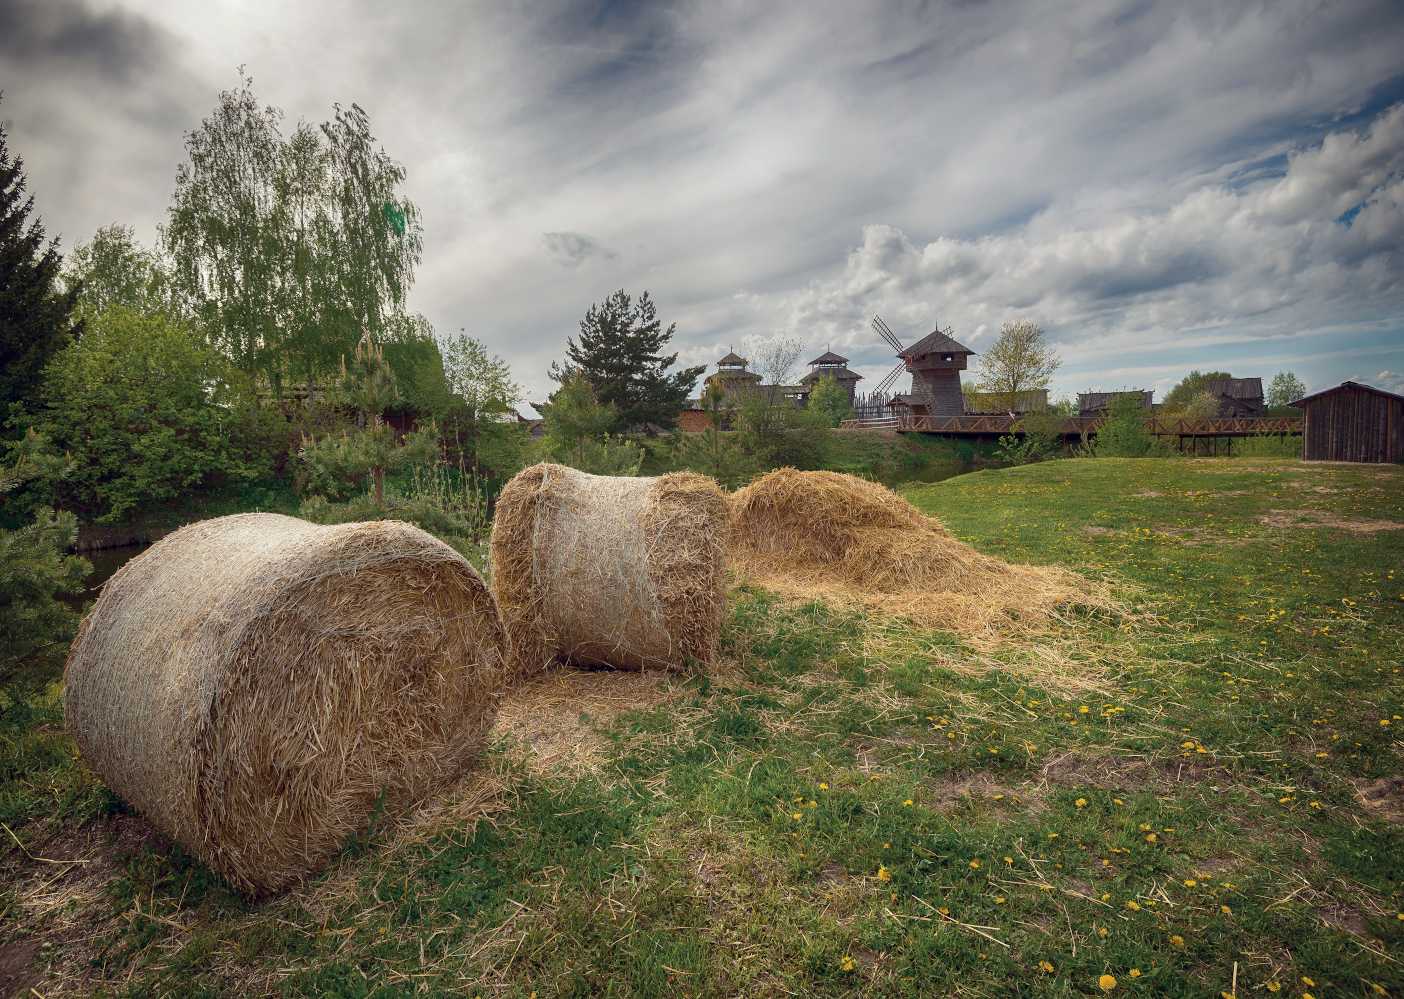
987,426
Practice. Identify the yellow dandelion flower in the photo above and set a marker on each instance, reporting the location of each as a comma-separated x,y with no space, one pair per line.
1135,972
1134,907
847,964
1010,860
798,815
1379,989
999,901
975,864
944,911
823,787
1274,986
998,796
1102,932
1084,710
1118,801
907,802
1226,910
1150,838
1191,883
1308,995
1177,940
1081,802
1105,897
884,874
1228,995
1107,983
1046,966
1308,981
887,846
1052,835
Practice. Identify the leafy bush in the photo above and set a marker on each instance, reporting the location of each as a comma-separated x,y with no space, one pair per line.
35,627
148,412
1123,435
449,504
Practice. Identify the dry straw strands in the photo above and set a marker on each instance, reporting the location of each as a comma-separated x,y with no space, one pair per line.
844,540
254,683
604,570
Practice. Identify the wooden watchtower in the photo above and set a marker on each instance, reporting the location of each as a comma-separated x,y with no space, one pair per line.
935,362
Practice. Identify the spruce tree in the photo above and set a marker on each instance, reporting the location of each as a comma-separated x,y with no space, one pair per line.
619,356
34,310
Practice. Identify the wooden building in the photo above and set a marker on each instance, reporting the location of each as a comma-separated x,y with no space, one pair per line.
988,403
935,362
1238,397
1090,404
1352,422
828,365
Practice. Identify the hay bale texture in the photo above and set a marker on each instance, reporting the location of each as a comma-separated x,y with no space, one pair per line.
847,541
608,570
254,683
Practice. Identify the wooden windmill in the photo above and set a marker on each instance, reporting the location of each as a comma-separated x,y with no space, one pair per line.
935,363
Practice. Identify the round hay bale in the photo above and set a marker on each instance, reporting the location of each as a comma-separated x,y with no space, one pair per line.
609,570
253,684
846,540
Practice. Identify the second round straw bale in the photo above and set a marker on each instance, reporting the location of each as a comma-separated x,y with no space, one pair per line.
609,570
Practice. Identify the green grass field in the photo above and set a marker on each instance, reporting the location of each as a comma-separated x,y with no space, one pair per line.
1198,795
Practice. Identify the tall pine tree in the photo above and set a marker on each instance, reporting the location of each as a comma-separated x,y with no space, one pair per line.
34,310
619,356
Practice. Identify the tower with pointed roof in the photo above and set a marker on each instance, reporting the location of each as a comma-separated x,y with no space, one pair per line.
829,365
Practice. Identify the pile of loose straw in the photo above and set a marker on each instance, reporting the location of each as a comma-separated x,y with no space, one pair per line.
608,570
847,541
256,684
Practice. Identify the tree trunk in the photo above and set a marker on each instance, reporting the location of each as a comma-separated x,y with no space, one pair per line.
379,473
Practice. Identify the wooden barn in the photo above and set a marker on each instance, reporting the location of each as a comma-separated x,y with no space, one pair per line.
1352,422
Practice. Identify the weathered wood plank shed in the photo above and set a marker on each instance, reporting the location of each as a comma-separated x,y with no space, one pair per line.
1352,422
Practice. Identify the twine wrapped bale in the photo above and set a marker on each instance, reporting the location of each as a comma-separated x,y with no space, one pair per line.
608,570
254,683
844,540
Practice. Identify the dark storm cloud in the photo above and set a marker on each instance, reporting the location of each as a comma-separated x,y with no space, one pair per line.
571,249
49,34
96,102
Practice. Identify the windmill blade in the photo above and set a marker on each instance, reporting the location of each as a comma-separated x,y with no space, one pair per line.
890,380
887,334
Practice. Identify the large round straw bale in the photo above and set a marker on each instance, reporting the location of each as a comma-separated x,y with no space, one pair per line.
253,684
846,540
610,570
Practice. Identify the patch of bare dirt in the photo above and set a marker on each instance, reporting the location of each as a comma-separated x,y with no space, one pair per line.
1382,798
17,971
558,713
950,791
1094,529
1147,494
1130,774
1325,518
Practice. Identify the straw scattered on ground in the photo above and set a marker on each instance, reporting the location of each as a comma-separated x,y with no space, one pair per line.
850,542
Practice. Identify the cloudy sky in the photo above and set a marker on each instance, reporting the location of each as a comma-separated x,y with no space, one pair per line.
1164,186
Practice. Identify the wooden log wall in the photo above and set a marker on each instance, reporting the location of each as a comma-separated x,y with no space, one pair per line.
1353,425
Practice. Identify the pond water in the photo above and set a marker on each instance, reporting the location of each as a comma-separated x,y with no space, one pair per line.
108,560
105,562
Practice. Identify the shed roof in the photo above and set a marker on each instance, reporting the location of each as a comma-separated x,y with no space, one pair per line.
829,357
935,342
1101,400
1343,387
1235,388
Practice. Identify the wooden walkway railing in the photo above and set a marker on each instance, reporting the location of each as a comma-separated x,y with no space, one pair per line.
1155,425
